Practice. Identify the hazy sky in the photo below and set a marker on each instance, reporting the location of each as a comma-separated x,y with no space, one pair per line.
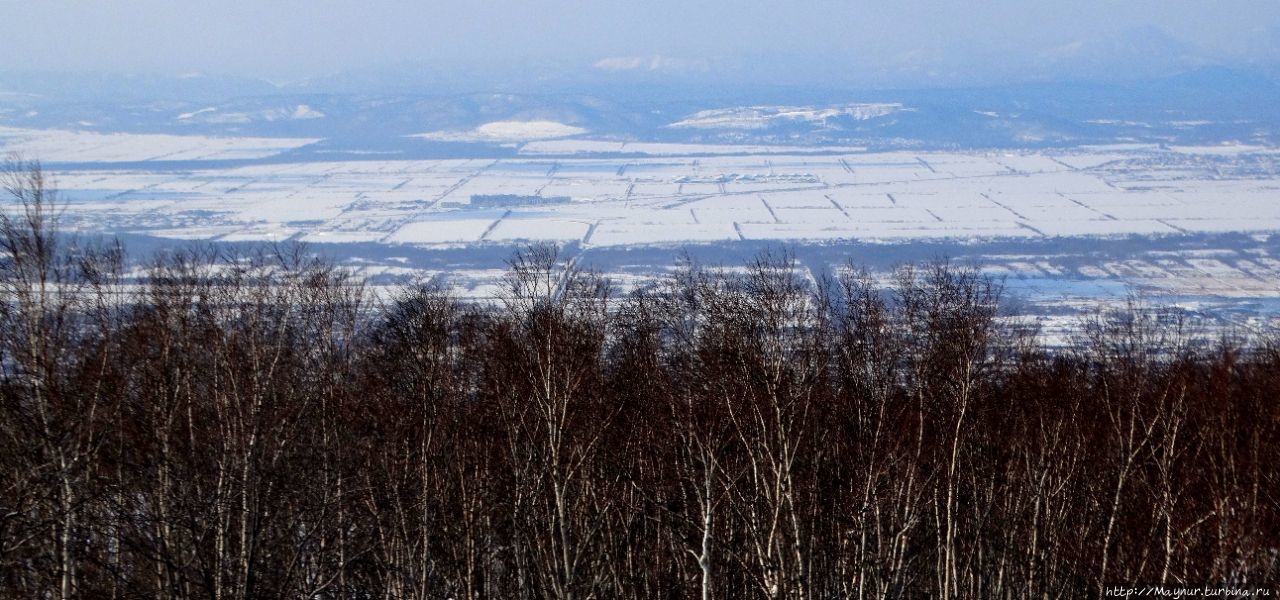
289,39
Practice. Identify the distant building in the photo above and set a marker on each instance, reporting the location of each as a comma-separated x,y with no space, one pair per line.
509,200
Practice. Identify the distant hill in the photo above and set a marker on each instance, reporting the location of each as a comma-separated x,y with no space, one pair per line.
380,109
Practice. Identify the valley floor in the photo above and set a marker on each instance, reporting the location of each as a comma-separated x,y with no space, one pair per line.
1192,226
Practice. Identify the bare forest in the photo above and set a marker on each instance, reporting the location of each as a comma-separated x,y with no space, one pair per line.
261,426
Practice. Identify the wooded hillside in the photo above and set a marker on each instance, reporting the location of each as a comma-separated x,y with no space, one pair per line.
258,427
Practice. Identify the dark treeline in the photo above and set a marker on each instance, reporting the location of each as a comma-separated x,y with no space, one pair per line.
258,427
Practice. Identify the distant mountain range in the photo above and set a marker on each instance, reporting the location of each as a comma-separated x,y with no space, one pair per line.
385,109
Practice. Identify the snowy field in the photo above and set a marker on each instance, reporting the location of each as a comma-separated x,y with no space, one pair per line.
890,197
668,196
85,146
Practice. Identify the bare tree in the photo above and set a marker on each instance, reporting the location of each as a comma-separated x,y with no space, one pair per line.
57,300
553,412
248,425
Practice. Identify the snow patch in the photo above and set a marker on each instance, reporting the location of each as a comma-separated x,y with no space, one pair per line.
506,131
759,117
306,112
189,115
212,115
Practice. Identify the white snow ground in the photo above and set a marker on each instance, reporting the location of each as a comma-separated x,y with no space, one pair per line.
53,145
669,200
506,131
668,196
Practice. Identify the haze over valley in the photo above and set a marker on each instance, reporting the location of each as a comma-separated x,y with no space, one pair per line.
1079,162
789,300
1072,193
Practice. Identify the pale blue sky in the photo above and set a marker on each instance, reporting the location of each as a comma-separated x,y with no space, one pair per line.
285,39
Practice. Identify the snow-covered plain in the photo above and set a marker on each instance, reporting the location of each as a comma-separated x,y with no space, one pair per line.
83,146
666,196
670,200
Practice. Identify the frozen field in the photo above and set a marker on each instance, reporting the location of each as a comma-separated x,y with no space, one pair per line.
671,196
889,197
85,146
